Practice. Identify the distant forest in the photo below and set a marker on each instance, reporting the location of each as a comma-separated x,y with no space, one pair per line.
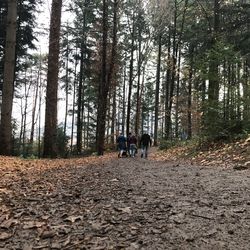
176,69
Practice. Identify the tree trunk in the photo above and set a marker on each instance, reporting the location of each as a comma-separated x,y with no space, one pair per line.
8,80
124,101
178,54
138,97
131,70
213,86
111,73
66,86
172,77
79,105
157,90
167,90
190,80
73,107
50,133
246,96
113,124
20,148
26,95
39,119
38,82
103,86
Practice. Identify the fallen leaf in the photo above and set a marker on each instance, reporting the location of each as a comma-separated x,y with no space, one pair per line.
8,223
33,224
73,219
124,210
5,236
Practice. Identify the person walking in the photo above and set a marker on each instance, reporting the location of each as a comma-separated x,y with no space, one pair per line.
145,141
121,144
132,142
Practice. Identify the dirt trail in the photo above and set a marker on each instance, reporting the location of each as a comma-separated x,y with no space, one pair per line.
128,203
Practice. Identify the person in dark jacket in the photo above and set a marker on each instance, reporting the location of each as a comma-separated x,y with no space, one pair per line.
145,141
132,141
121,144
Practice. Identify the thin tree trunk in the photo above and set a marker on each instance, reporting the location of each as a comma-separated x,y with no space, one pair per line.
141,94
26,95
113,124
238,98
167,89
39,119
246,96
66,87
20,149
190,80
79,105
124,101
138,99
157,90
73,108
35,102
131,70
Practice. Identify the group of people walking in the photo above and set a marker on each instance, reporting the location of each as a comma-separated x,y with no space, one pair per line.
129,145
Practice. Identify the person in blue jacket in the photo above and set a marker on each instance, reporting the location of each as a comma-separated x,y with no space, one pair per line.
121,144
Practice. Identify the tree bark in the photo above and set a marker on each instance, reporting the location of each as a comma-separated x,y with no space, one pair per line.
172,77
131,69
138,97
111,73
103,86
190,80
35,102
73,106
8,80
213,86
167,90
66,86
50,133
157,90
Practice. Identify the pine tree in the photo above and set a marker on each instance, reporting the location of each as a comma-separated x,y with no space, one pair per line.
50,133
8,83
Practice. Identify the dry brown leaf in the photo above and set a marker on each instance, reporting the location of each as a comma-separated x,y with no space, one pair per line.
8,223
5,236
32,224
73,219
125,210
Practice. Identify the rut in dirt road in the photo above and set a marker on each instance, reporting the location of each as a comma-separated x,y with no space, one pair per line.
128,203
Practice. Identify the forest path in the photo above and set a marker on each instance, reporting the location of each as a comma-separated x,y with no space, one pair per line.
125,203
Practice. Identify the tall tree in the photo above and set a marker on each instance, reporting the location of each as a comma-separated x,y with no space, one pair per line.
157,89
50,133
213,87
8,83
111,72
131,75
103,85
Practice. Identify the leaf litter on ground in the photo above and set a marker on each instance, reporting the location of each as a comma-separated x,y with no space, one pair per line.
170,200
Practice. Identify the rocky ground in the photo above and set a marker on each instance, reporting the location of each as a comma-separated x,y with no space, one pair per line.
127,203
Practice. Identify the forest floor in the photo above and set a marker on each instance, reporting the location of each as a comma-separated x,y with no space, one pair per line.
172,200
